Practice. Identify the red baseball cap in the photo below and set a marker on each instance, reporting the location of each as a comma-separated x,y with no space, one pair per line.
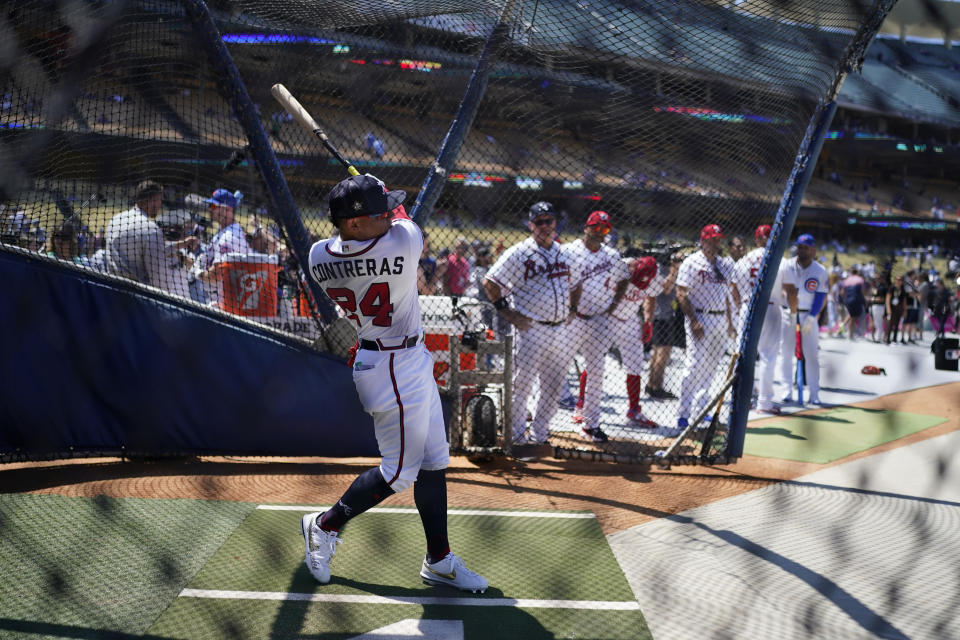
763,231
711,231
598,217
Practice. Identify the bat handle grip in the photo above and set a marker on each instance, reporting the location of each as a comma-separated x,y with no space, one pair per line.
352,170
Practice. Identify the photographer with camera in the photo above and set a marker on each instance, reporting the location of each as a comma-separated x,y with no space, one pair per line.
179,247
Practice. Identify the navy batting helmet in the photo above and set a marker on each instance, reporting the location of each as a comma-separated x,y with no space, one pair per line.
540,209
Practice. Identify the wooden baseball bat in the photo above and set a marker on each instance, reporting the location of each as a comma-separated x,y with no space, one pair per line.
301,115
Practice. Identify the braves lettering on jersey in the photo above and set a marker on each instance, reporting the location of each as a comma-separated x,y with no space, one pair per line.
706,282
369,280
538,279
598,272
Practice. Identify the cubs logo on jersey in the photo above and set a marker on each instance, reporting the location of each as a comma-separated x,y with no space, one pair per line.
811,285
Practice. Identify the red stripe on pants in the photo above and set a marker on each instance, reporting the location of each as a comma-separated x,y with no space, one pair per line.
396,392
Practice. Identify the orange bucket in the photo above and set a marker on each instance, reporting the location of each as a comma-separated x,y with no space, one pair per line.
248,284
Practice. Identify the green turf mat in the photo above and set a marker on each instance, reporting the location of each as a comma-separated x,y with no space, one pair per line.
199,619
80,568
523,557
833,434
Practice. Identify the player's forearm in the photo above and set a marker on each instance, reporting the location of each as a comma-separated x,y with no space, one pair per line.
575,298
684,302
792,301
618,294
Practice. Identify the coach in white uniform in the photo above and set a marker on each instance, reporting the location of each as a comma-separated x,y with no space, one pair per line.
369,268
598,280
702,285
743,283
805,288
535,274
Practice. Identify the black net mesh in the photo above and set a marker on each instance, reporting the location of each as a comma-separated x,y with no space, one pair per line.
122,153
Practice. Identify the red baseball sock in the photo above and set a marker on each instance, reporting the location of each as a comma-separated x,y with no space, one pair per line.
633,391
583,386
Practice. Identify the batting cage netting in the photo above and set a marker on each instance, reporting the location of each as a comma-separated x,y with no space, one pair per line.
585,173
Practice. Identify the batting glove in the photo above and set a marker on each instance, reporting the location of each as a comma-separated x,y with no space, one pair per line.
808,324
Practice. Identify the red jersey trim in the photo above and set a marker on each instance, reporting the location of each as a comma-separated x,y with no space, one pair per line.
352,255
396,392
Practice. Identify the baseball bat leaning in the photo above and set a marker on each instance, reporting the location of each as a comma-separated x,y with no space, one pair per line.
801,374
301,115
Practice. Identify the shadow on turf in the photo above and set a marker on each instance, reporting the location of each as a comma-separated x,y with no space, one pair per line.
51,630
479,622
23,479
773,431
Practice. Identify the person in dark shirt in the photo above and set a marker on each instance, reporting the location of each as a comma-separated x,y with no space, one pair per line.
896,304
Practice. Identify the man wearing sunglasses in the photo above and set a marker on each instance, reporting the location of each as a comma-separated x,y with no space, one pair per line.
702,285
599,280
529,284
369,268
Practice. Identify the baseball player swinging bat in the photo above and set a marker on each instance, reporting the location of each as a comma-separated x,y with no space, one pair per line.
301,115
801,375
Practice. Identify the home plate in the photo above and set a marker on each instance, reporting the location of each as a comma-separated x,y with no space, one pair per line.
411,628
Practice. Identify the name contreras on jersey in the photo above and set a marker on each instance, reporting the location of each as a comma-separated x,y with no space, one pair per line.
357,268
556,269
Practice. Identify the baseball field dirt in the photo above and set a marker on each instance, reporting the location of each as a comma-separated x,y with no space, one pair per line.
620,495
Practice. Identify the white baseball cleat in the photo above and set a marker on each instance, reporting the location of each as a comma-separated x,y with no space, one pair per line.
321,546
452,572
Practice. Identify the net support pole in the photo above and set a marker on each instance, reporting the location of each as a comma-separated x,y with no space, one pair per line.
797,183
286,209
463,120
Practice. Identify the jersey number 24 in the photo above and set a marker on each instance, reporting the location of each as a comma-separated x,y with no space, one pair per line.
375,303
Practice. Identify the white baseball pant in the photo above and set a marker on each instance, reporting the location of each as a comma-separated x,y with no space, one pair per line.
541,353
704,357
628,336
397,388
811,354
768,348
591,337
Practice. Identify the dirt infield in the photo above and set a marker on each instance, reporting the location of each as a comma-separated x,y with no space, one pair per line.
620,495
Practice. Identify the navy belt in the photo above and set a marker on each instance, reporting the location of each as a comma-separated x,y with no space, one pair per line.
374,345
551,324
798,310
583,317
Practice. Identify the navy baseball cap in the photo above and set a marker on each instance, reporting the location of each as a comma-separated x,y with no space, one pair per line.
363,195
806,240
224,198
541,208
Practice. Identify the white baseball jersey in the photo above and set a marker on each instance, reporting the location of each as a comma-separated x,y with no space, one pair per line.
745,274
375,283
808,281
629,305
370,280
706,283
598,272
538,279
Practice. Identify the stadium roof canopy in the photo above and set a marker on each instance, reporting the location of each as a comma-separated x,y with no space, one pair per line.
930,21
